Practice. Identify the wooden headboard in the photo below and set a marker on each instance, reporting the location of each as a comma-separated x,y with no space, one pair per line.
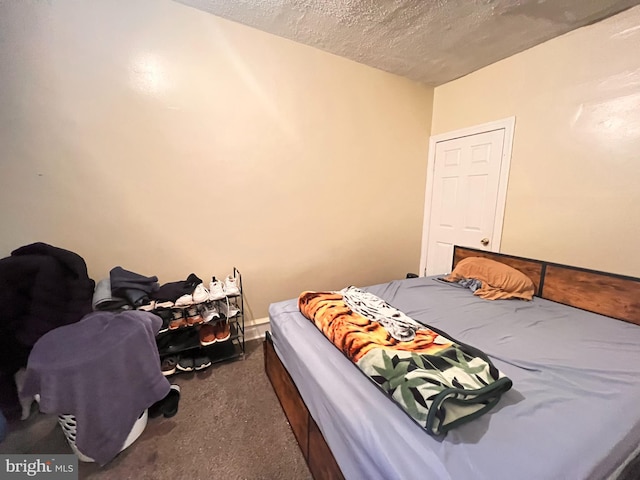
615,296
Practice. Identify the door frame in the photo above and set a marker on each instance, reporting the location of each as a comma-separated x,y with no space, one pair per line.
508,124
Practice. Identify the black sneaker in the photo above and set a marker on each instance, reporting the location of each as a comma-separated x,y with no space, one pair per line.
168,406
175,342
166,315
201,362
185,364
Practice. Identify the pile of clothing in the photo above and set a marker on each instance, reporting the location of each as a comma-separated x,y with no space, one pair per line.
127,290
71,343
75,361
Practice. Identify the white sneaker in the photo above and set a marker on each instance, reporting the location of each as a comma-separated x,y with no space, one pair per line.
216,289
166,304
233,309
210,312
231,286
184,301
148,307
227,309
223,307
200,294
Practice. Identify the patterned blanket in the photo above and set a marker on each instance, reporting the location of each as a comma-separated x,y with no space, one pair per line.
439,382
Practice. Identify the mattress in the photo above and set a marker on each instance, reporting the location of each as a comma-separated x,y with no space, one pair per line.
572,412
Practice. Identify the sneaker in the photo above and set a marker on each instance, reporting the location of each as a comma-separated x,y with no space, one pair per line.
223,307
147,307
222,331
233,309
178,320
184,301
185,364
200,294
167,317
207,335
216,289
168,406
201,362
231,286
227,309
166,304
193,317
177,341
168,365
210,312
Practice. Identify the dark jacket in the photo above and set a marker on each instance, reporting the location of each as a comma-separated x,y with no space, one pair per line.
41,288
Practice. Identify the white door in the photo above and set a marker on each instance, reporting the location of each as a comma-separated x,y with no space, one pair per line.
467,194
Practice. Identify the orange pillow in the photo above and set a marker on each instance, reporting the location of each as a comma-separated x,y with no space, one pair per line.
499,281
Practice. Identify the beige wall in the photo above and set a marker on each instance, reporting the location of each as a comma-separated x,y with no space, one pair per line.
574,187
157,137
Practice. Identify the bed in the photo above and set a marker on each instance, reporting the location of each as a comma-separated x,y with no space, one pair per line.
573,354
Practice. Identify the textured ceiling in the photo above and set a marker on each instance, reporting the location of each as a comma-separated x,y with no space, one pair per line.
432,41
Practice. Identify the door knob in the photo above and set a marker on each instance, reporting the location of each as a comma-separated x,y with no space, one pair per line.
484,241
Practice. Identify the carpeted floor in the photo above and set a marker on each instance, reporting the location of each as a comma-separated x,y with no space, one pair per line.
229,426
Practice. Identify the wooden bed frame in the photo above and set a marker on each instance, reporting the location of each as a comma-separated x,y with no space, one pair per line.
615,296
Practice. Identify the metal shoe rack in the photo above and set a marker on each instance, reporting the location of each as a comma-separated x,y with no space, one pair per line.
234,347
186,340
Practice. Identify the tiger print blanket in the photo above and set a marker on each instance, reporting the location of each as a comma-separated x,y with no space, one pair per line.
439,382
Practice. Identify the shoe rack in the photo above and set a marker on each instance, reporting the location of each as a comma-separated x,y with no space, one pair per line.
185,340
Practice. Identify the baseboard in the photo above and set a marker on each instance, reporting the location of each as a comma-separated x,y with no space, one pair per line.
256,328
